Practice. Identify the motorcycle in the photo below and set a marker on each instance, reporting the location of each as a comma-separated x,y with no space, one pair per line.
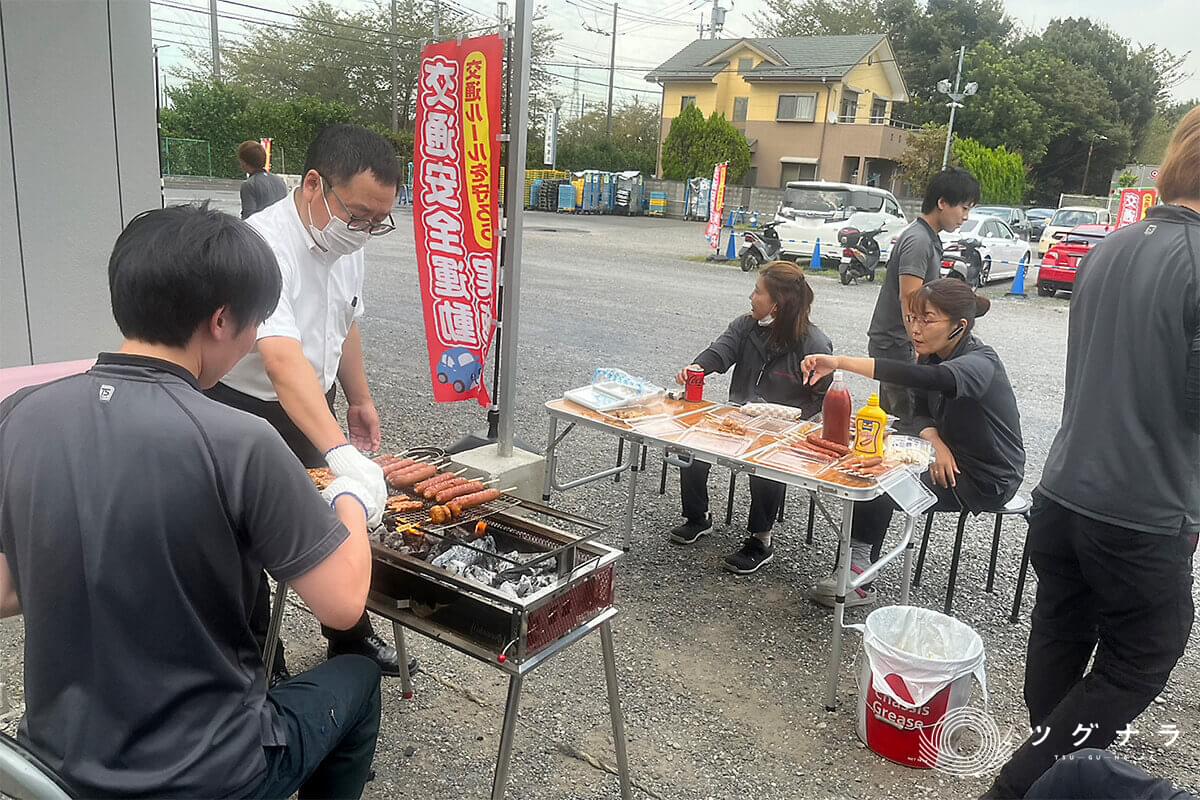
761,247
860,254
964,262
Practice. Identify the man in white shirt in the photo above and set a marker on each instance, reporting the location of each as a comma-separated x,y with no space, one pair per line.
312,341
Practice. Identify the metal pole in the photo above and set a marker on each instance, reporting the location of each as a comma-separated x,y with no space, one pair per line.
515,188
493,414
162,187
612,65
393,87
1088,166
953,106
216,42
437,20
614,708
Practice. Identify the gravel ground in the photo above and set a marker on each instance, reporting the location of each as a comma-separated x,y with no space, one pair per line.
720,675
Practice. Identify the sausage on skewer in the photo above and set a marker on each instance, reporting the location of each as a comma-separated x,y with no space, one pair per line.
435,489
836,447
461,504
397,466
448,493
407,477
440,478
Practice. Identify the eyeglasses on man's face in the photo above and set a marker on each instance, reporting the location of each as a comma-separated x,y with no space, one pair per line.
356,223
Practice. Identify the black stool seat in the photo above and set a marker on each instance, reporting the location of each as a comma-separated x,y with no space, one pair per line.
1018,506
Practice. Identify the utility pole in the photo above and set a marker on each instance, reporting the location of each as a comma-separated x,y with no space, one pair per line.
716,20
956,98
612,66
437,19
1092,139
216,42
394,87
575,89
162,188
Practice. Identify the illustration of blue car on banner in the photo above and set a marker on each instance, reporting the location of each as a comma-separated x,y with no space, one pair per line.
459,367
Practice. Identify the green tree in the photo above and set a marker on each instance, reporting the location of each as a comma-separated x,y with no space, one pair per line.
681,146
922,158
1158,133
1001,174
584,144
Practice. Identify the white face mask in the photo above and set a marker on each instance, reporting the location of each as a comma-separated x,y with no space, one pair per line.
336,238
767,320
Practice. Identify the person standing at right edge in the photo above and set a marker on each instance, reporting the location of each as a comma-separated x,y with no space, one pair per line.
1115,519
915,260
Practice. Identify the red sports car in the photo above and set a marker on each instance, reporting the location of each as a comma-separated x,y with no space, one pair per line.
1061,262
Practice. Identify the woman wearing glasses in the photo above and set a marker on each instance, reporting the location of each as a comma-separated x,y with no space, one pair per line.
965,408
765,349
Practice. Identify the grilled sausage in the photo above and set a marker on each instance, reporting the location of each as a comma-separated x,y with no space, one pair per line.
440,478
433,487
806,449
397,466
816,441
415,474
461,504
447,493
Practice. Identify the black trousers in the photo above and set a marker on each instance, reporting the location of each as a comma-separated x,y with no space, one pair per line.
331,715
311,458
765,497
1124,594
872,518
896,400
1099,775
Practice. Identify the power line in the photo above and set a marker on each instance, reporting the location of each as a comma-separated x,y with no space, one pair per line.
594,83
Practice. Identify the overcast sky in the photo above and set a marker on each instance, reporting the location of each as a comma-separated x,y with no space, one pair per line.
649,31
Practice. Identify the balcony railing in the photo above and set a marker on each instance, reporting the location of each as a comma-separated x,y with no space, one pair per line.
882,121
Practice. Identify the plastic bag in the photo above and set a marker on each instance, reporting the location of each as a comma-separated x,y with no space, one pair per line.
914,653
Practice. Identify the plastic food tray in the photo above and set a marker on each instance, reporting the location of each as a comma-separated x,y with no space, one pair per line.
784,458
723,444
660,427
773,425
912,446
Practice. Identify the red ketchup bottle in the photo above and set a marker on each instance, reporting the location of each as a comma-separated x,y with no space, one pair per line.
836,411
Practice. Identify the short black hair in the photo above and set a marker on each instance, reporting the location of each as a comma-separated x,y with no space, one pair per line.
955,186
173,267
342,151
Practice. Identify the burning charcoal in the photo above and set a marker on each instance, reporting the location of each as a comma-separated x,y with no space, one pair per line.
509,589
467,555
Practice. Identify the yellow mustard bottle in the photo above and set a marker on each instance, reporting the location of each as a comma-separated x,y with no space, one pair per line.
870,427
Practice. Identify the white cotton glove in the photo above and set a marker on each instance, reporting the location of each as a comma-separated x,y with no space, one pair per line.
346,462
355,489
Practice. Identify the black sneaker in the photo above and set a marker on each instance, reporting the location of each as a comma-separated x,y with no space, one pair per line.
690,532
373,648
750,557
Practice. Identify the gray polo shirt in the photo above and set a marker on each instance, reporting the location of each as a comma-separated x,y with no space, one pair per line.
917,251
137,515
1128,451
261,190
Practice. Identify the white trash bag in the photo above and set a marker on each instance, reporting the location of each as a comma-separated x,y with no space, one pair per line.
914,653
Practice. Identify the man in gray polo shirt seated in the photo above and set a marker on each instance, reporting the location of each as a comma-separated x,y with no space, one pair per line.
136,518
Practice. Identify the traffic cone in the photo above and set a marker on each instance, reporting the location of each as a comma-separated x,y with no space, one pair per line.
816,259
1018,284
731,249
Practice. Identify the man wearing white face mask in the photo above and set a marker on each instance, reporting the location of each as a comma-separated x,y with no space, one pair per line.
312,341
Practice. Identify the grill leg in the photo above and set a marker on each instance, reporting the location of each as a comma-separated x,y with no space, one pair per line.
511,707
620,458
280,601
614,708
991,580
958,537
729,505
662,481
645,450
1016,609
924,547
812,513
406,690
631,496
910,525
550,447
839,607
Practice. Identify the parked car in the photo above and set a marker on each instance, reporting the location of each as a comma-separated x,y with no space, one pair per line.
1000,252
1038,218
812,210
1060,265
1010,215
1068,218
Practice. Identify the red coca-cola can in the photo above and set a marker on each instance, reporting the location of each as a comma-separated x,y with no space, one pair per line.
694,385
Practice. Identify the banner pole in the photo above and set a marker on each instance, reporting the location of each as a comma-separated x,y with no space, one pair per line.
493,414
513,198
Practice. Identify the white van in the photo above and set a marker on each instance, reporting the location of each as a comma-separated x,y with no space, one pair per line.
812,210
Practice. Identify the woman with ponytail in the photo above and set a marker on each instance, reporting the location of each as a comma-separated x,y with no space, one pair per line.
765,349
965,408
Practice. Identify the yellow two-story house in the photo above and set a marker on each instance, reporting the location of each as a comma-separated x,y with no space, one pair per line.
812,107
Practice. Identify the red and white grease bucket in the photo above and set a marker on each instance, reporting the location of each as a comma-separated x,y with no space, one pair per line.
917,667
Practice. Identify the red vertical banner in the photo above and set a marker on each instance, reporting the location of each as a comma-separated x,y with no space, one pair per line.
266,143
456,209
717,206
1134,205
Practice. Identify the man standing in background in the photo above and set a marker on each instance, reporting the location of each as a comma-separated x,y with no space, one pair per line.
915,260
261,188
312,342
